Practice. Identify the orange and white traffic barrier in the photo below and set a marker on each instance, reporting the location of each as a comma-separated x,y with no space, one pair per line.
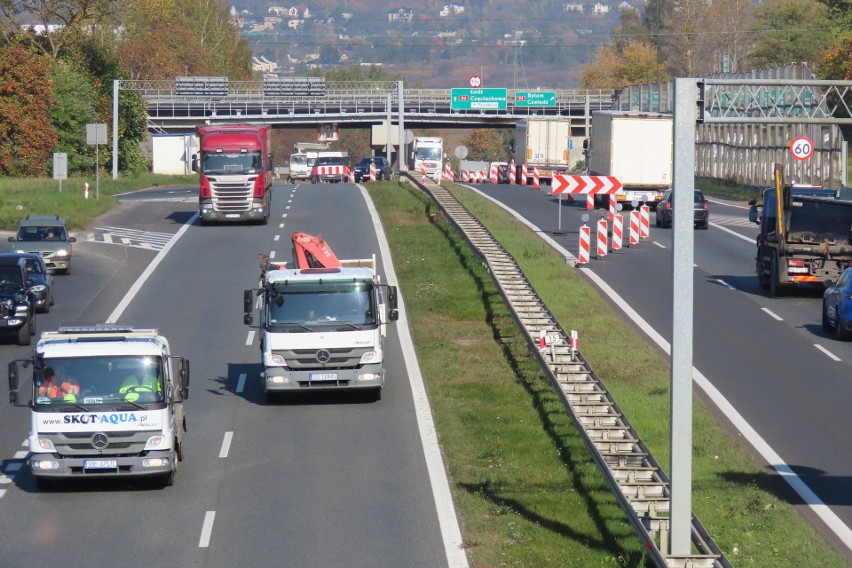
634,227
617,226
602,239
536,174
372,171
448,173
590,201
611,208
585,244
523,178
644,222
464,176
492,173
423,172
512,174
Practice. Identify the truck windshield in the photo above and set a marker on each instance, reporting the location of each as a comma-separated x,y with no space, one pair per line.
231,163
427,154
102,380
315,304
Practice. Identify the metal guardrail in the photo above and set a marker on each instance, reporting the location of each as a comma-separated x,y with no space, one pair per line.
640,484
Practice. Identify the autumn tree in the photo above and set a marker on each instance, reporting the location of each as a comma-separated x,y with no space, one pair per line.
486,144
837,61
27,137
728,36
612,68
789,30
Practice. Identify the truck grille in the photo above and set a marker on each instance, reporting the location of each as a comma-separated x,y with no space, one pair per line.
232,196
303,359
80,443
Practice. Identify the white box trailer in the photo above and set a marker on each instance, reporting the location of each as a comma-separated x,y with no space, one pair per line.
171,153
636,148
543,142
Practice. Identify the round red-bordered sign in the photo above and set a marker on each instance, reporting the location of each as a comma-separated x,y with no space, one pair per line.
475,82
802,148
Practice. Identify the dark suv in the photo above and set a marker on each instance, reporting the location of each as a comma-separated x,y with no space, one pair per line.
47,236
383,169
17,304
41,277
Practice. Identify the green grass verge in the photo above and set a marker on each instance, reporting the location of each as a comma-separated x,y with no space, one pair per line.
526,488
39,196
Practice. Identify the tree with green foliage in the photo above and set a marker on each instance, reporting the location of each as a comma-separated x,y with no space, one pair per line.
27,136
789,30
634,64
75,107
837,61
486,144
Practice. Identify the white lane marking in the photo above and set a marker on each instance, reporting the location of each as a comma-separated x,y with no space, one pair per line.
827,352
771,313
280,225
723,283
283,215
276,237
288,207
226,444
659,245
734,233
20,455
250,338
241,382
447,519
206,529
272,254
6,479
128,297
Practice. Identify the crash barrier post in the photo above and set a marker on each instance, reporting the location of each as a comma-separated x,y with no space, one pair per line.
523,180
645,221
372,171
536,173
492,173
617,221
634,227
512,174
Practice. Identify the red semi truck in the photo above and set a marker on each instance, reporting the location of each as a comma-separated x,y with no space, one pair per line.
235,166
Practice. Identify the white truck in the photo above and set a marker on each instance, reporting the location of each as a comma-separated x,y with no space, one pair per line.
104,426
322,322
543,142
636,148
427,152
301,166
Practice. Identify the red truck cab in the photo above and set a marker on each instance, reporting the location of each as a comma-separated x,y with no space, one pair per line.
235,167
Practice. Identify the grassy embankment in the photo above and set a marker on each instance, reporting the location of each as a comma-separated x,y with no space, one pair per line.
525,486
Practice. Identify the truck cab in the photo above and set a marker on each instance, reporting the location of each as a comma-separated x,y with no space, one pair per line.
106,401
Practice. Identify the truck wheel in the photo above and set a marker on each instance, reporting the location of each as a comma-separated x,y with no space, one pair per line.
774,287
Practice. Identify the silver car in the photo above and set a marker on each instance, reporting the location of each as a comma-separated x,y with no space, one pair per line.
47,236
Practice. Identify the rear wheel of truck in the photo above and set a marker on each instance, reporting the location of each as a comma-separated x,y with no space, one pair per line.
775,289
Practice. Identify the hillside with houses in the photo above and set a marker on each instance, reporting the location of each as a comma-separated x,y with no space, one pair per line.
433,43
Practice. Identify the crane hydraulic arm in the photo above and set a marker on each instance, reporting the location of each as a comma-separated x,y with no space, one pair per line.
311,251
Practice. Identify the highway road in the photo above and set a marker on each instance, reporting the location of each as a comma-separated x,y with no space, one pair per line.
324,481
764,365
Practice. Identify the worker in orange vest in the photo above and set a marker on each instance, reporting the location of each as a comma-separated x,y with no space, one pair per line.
53,387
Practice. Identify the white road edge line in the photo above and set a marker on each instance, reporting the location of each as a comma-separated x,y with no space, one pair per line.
447,518
831,520
128,297
250,337
226,444
206,529
241,383
827,352
773,314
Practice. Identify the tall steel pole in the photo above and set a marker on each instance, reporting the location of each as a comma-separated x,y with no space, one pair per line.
403,166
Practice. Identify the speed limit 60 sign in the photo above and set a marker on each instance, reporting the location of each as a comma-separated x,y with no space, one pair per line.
802,148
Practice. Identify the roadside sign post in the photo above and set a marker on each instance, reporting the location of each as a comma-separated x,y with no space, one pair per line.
60,167
96,134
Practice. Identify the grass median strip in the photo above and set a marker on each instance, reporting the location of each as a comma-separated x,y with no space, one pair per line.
527,489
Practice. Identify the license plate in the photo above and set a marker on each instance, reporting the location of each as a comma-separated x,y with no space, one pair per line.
100,464
323,376
232,216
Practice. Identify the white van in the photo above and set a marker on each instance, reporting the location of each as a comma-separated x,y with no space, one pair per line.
301,166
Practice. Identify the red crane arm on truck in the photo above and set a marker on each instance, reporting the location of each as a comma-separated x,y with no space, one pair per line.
312,252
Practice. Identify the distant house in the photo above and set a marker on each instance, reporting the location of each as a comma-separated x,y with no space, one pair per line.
272,20
263,64
601,9
401,15
277,10
573,8
294,24
453,9
627,6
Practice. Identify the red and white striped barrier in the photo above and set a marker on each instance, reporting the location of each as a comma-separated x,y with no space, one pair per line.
512,174
585,243
423,172
617,226
602,239
634,227
448,173
611,208
536,174
590,201
492,173
340,171
372,171
644,222
524,173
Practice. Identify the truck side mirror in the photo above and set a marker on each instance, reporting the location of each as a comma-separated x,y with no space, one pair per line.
13,382
392,299
184,379
248,307
752,212
585,143
195,162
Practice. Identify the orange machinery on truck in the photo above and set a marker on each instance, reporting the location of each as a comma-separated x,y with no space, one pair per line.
323,322
235,166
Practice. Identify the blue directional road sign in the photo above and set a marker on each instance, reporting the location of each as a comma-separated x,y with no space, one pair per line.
478,99
535,99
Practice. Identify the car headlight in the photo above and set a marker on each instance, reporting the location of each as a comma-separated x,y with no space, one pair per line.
61,252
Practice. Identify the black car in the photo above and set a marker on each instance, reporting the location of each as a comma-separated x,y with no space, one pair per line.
701,209
40,276
17,303
383,169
